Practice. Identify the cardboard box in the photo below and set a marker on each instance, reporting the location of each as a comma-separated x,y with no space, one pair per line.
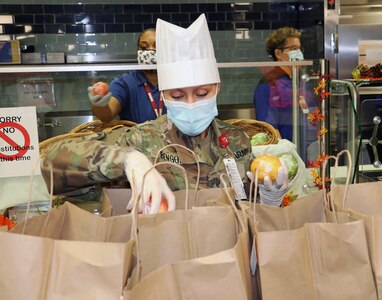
10,52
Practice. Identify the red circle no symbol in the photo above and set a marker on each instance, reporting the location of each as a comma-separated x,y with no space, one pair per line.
13,143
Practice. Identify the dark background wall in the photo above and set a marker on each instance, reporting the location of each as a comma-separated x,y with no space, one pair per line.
99,19
238,32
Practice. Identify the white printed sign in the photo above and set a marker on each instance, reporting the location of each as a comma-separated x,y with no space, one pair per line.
36,92
19,146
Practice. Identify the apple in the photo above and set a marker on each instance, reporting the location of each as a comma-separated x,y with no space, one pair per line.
100,88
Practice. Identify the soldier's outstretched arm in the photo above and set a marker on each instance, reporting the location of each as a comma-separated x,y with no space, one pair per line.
78,162
82,162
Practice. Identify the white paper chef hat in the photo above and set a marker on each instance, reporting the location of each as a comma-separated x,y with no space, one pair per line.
185,56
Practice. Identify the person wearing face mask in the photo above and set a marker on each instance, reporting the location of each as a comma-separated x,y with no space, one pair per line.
273,94
133,96
189,81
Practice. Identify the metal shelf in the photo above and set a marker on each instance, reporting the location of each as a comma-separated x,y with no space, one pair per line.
128,66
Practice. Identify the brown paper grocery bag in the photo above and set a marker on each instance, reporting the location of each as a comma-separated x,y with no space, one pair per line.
39,268
201,253
65,253
362,197
195,233
317,261
223,275
363,201
264,218
69,222
373,226
307,209
204,254
302,256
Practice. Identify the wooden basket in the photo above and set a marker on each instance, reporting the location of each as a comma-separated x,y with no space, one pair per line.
44,144
251,127
98,126
86,129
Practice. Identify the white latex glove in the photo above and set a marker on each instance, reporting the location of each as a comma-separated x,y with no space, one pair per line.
97,100
155,186
272,192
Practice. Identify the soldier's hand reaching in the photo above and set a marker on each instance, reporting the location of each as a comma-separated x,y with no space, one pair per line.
136,166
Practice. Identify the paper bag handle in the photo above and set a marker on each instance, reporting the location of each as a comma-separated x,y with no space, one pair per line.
134,212
231,201
136,200
43,159
333,176
196,160
254,181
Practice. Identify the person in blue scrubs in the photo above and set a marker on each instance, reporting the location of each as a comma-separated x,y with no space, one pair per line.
273,94
133,96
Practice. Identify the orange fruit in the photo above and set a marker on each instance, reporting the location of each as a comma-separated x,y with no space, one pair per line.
163,205
266,164
100,88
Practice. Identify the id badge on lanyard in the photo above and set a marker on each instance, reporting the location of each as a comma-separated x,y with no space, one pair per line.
235,178
157,110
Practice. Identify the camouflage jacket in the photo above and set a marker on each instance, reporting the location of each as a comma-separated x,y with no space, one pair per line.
98,158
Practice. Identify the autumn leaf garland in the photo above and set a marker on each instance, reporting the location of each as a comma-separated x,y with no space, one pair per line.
317,119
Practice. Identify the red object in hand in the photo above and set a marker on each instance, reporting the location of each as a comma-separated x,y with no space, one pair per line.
163,205
100,88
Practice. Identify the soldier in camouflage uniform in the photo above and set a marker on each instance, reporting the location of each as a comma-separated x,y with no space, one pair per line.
189,80
149,138
99,158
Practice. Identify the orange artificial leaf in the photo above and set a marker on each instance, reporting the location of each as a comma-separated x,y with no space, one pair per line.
323,157
316,164
321,132
325,94
4,221
286,201
314,173
315,116
326,75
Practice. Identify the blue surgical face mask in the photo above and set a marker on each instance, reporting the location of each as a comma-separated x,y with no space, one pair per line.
296,55
192,118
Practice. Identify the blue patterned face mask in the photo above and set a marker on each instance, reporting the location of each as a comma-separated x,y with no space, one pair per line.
147,57
296,55
192,118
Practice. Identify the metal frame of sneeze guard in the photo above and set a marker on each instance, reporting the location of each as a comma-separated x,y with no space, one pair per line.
130,66
352,133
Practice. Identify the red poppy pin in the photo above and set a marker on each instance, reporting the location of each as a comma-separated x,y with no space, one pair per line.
223,139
